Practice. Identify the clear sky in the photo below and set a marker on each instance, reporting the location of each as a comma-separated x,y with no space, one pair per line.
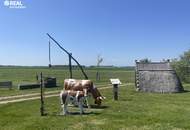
120,30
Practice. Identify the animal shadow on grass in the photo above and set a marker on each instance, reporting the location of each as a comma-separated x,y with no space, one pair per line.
98,107
185,91
74,113
91,112
85,113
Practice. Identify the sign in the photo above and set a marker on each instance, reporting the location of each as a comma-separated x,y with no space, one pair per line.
115,81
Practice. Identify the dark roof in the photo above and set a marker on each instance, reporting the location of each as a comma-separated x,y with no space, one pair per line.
153,66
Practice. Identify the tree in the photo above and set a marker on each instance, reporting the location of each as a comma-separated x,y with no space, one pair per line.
145,60
182,66
99,60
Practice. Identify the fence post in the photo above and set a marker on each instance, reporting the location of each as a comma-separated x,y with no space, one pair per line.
41,95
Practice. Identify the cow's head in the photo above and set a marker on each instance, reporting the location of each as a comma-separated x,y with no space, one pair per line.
98,100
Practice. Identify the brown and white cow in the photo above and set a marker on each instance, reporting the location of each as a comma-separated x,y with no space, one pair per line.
68,96
86,86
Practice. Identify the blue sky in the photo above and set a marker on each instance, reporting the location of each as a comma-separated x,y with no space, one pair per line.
120,30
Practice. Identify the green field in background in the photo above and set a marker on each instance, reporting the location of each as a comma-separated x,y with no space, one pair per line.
20,75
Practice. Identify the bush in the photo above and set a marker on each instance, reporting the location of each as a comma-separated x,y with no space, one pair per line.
182,66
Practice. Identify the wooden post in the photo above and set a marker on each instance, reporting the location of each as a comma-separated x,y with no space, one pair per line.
85,75
37,78
70,66
97,76
115,83
49,54
115,91
136,76
41,95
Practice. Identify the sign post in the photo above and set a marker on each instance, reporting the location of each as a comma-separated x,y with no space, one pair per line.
115,83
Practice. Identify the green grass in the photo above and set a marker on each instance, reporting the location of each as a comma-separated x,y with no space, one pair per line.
133,111
28,75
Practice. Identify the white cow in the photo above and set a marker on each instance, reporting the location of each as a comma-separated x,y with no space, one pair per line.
68,96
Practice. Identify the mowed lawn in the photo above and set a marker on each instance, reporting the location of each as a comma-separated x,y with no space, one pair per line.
133,111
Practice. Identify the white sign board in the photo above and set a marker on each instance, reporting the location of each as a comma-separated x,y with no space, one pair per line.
115,81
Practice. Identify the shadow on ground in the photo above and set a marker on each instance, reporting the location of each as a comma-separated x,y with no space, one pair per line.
74,113
99,107
94,110
185,91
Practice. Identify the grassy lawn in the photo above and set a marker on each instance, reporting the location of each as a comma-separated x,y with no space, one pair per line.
133,111
28,75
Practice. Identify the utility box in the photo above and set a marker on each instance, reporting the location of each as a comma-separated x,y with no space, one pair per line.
115,83
50,82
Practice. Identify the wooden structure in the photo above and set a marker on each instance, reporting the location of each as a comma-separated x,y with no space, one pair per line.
28,86
70,58
41,95
156,77
50,82
6,84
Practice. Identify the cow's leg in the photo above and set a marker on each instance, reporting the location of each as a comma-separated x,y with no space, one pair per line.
87,103
64,106
65,109
61,101
86,97
79,101
80,104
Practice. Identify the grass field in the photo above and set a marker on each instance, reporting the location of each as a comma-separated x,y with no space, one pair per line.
133,111
28,75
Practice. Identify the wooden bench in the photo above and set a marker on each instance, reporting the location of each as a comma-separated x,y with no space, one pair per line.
28,86
6,84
